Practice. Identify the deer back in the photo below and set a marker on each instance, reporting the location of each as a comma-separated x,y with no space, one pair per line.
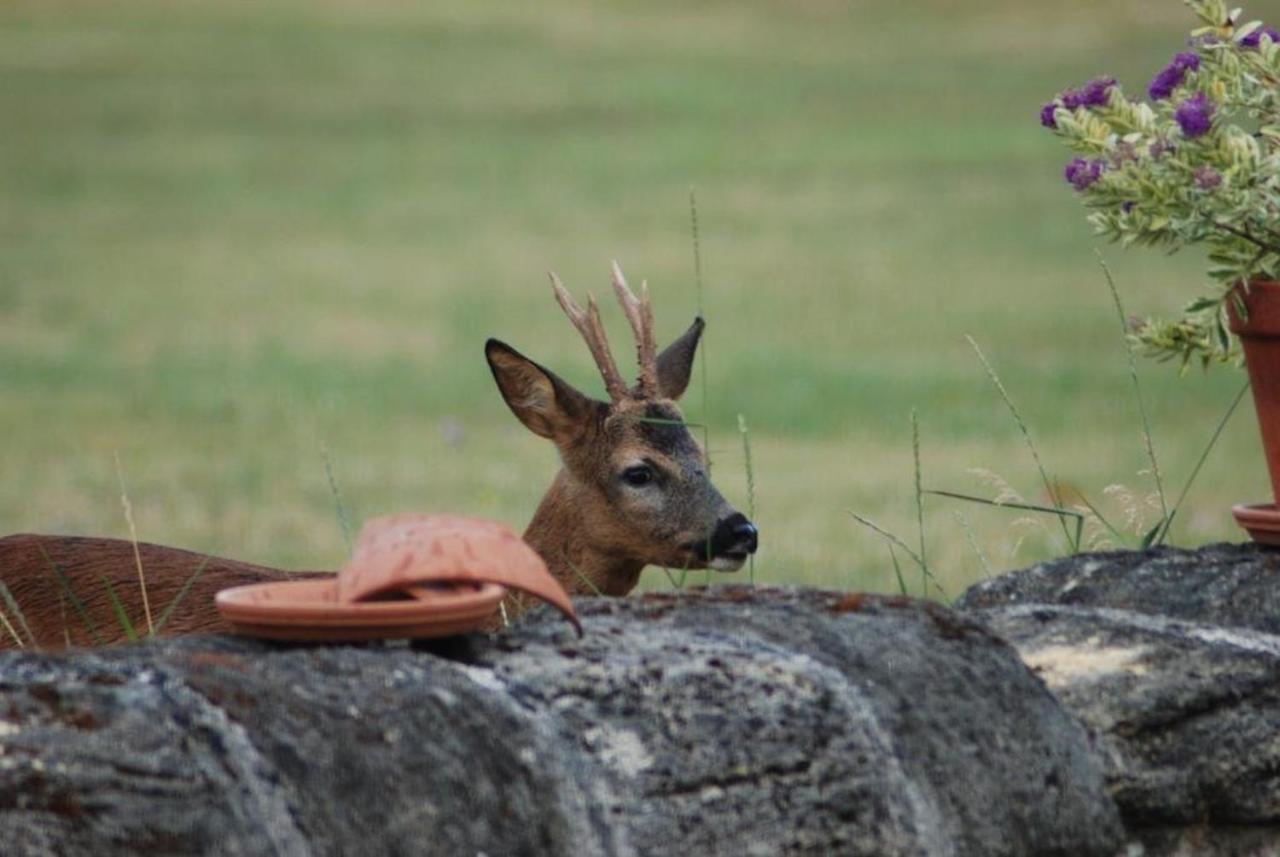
63,588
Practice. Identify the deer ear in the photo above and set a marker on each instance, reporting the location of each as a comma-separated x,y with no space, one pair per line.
675,363
547,405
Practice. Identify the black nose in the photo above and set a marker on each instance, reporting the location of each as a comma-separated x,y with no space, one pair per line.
735,535
747,534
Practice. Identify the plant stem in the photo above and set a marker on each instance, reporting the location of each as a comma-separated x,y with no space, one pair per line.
12,604
1026,435
897,570
697,278
182,593
1217,432
972,538
133,535
339,506
1247,236
872,525
751,488
1137,390
915,451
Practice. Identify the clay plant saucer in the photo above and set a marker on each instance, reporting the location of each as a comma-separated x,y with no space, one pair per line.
409,576
310,610
1262,520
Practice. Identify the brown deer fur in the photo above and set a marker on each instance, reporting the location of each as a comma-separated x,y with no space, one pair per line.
40,570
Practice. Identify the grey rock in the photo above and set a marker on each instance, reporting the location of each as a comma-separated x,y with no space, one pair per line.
1233,585
1169,657
734,721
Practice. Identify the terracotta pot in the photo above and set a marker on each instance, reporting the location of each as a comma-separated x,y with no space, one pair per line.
1260,336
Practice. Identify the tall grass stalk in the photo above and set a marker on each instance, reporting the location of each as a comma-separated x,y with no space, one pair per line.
122,615
8,626
182,593
888,536
972,539
338,505
697,280
897,570
133,537
16,610
1057,511
751,488
1137,388
1213,441
590,584
915,454
1049,487
894,541
77,605
676,583
1097,513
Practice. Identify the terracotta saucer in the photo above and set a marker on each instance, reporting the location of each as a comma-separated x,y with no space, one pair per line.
1262,520
409,576
310,610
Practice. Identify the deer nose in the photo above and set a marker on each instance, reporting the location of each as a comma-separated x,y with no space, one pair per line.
748,536
735,534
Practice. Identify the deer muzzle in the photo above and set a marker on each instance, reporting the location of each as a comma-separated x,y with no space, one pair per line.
733,540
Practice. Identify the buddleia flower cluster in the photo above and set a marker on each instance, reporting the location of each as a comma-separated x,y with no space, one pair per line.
1195,162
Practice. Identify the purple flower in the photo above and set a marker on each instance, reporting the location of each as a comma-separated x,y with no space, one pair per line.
1254,39
1187,61
1207,178
1172,75
1046,115
1164,83
1195,115
1081,174
1092,94
1127,207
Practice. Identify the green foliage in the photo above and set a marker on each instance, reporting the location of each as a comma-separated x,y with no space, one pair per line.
1198,164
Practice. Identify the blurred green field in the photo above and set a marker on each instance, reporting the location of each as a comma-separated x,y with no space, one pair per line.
238,237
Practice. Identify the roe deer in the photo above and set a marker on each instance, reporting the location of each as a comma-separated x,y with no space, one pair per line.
633,491
634,488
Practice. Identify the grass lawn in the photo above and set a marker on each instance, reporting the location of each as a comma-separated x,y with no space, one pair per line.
240,239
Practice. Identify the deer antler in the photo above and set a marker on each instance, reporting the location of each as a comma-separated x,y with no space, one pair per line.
640,314
589,325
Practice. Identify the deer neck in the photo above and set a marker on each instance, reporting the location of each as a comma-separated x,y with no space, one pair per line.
565,533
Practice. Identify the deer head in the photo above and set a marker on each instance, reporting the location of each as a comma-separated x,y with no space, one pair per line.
634,488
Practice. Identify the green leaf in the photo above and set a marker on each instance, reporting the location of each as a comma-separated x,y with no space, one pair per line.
121,616
1202,304
177,599
90,626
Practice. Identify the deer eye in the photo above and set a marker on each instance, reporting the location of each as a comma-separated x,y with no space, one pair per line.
638,475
